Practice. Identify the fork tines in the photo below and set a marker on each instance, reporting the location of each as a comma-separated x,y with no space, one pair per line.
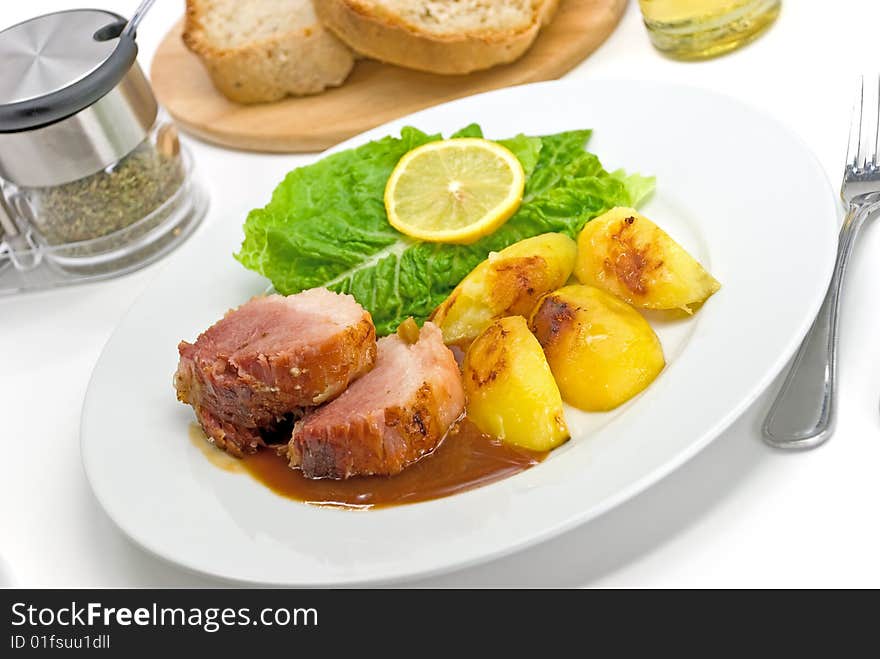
861,153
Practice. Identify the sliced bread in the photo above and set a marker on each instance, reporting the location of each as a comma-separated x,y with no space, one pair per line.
263,50
440,36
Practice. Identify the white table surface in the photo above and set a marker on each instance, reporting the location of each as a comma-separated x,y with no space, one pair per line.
739,514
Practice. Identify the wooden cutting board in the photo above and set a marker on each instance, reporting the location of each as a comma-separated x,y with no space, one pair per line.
374,92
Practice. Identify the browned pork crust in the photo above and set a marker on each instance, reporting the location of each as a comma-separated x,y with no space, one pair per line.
250,374
388,419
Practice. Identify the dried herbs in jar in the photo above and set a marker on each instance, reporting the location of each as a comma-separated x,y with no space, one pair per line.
112,199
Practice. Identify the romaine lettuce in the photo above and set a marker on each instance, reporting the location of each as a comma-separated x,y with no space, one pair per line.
326,223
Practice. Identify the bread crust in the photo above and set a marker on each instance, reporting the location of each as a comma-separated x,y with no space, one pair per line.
294,63
388,39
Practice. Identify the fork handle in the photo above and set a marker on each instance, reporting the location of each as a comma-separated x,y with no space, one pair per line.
804,412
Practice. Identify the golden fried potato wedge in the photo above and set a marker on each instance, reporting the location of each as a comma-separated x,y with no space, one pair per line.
508,283
601,351
510,390
625,253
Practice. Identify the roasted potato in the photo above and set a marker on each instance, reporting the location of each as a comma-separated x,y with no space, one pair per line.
510,390
508,283
601,351
624,253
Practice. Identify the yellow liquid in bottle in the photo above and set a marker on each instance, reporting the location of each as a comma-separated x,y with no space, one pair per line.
698,29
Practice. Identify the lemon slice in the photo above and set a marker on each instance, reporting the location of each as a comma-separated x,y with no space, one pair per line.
454,191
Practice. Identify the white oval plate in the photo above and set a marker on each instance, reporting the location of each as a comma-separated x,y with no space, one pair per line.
733,185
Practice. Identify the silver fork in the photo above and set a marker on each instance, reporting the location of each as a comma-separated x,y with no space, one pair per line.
803,414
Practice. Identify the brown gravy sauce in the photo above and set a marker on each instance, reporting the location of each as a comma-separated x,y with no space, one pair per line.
466,459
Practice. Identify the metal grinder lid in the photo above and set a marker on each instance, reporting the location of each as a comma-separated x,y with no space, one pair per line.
58,64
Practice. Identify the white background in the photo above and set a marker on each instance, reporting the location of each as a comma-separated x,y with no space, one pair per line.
739,514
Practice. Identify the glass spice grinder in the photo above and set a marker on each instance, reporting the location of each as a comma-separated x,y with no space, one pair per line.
93,179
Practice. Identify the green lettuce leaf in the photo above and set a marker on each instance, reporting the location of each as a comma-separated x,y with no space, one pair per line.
637,186
326,226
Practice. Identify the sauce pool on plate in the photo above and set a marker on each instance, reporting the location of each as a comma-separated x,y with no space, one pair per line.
465,460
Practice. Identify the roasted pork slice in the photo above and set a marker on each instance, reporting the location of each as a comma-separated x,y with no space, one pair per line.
253,372
388,419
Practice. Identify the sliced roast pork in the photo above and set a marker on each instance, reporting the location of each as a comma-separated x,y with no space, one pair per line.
389,418
256,370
